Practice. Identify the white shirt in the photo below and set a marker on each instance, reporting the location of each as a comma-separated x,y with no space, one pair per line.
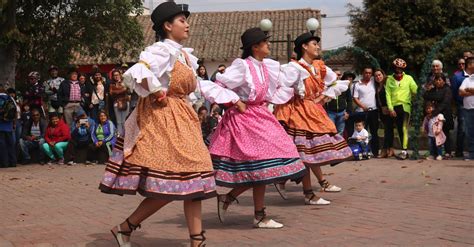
35,129
362,133
365,93
468,101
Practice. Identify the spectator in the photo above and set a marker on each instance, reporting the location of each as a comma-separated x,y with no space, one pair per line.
69,95
35,92
103,138
52,88
202,72
18,123
8,114
433,125
205,121
86,93
120,100
32,137
56,139
78,146
441,96
436,68
399,90
466,55
98,94
366,106
466,90
220,69
380,78
340,108
349,122
461,64
361,136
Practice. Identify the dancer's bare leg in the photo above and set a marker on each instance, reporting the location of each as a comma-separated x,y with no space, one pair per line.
317,172
234,193
259,197
192,211
146,208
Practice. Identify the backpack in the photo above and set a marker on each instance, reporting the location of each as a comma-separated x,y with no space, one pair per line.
7,108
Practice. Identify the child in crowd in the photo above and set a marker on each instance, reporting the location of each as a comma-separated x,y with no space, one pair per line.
361,137
433,126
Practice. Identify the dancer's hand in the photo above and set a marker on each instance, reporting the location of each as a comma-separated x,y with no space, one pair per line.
161,99
241,106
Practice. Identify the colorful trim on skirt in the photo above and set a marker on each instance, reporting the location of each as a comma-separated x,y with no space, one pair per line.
123,178
231,173
320,149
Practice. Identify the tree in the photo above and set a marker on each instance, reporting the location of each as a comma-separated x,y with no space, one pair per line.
408,29
9,36
52,30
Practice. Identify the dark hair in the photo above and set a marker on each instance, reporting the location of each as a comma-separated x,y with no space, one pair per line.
11,90
160,32
439,76
202,108
367,67
221,65
347,74
428,104
205,77
247,52
359,121
53,115
469,60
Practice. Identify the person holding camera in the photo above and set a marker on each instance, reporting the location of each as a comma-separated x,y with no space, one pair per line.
103,138
80,139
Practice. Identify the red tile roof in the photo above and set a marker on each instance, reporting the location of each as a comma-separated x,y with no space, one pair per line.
216,35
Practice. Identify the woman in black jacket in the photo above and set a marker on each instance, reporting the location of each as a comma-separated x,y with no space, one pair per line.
440,94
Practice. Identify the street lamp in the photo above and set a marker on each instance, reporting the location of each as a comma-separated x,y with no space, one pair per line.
266,25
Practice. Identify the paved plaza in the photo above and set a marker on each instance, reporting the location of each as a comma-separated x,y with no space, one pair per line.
384,202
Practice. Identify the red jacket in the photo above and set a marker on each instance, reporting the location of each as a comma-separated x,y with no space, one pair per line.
60,133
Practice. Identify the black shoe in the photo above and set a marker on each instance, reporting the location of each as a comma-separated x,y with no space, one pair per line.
26,162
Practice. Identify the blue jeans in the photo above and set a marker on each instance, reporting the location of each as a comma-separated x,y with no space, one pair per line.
434,150
338,119
460,131
469,131
26,146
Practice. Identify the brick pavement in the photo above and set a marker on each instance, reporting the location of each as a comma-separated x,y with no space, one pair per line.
384,202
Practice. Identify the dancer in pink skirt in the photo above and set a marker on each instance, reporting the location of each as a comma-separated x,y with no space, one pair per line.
249,148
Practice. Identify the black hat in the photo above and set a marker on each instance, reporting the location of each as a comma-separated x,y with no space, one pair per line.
167,10
252,36
303,38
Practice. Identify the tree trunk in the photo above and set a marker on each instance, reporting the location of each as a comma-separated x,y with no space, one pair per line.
8,54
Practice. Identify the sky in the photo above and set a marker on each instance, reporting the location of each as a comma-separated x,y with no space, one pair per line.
334,32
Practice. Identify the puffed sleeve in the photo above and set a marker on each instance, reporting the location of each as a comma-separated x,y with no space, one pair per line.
134,76
221,91
294,76
192,59
334,87
278,91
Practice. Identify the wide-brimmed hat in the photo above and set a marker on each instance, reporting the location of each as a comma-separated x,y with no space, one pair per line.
167,10
303,38
252,36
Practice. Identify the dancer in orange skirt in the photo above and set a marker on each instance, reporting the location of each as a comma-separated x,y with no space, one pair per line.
305,119
162,156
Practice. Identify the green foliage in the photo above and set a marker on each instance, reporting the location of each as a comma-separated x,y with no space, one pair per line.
409,28
364,58
55,29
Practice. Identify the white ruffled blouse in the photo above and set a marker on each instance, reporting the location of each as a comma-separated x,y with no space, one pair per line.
236,83
332,89
161,57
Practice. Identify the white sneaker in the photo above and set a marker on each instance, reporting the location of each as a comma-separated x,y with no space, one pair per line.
266,224
431,157
331,188
439,157
320,201
70,163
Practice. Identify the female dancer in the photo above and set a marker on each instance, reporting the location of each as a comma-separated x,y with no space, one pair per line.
249,148
164,157
305,119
